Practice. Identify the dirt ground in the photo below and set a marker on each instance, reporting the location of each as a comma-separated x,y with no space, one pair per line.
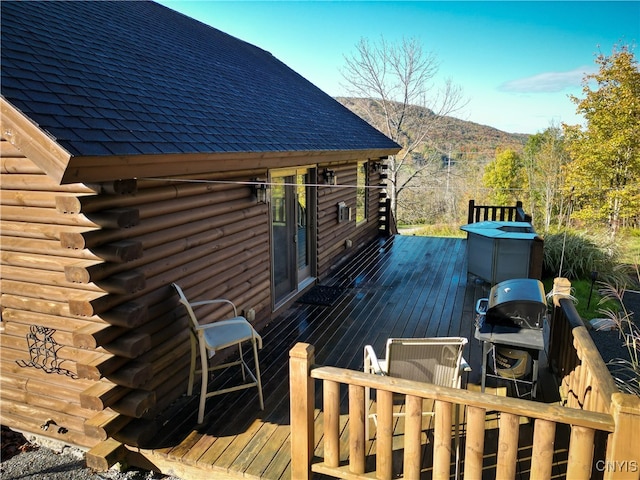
14,443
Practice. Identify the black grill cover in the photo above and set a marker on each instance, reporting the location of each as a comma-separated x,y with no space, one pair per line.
519,302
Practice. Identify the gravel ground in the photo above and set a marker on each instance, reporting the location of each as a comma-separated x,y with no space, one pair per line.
609,342
611,345
23,460
44,463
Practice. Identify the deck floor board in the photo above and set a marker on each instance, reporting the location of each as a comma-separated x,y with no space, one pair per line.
401,287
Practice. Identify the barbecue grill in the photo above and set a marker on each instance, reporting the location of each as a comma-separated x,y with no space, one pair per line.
518,303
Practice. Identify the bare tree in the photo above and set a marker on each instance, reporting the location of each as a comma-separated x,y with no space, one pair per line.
393,86
545,158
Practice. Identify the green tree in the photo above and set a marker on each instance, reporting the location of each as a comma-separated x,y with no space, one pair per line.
604,173
505,177
544,158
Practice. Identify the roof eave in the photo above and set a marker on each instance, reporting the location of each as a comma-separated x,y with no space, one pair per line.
33,142
108,168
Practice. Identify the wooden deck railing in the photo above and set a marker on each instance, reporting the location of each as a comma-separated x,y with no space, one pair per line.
481,213
387,219
586,384
348,460
585,380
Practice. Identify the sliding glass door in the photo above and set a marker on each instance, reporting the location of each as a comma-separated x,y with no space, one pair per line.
292,232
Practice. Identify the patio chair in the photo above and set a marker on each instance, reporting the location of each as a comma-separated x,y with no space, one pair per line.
209,338
431,360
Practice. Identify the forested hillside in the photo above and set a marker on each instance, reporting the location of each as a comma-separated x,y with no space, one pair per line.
445,169
459,135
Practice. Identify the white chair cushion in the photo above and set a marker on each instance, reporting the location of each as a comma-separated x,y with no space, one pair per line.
222,334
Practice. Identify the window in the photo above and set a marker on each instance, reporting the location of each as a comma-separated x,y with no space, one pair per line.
361,192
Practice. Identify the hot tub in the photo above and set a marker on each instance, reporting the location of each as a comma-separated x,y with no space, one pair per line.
498,251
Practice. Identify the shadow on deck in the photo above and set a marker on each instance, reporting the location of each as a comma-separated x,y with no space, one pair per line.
404,286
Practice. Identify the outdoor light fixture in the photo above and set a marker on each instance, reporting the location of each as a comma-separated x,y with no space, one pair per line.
375,167
329,177
259,190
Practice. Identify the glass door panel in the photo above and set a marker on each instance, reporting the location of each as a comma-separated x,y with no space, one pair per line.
282,232
303,236
292,217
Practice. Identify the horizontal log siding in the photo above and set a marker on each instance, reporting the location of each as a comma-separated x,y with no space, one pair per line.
332,235
123,341
34,293
212,238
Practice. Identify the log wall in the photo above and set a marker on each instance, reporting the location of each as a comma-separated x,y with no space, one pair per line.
93,341
333,235
40,387
85,278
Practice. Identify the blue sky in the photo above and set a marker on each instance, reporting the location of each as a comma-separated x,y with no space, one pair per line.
516,62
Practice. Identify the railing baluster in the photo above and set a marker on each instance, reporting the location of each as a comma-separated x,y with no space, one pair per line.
580,453
590,391
542,454
507,445
384,435
357,417
622,422
581,385
474,450
412,430
331,396
442,440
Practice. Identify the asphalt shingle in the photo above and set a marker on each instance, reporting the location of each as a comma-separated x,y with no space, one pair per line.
151,80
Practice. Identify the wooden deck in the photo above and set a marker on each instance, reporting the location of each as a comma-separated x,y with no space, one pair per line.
402,287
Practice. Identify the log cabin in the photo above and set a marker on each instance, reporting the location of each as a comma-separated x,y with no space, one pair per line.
141,147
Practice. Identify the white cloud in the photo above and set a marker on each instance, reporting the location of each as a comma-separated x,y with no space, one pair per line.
548,81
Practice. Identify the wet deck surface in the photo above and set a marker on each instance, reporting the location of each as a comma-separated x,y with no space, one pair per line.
403,287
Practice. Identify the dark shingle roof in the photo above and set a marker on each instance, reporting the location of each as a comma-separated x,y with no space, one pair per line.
126,78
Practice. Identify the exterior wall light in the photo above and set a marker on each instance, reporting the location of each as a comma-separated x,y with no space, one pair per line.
330,177
259,190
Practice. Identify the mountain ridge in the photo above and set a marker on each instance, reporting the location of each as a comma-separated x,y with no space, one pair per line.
455,134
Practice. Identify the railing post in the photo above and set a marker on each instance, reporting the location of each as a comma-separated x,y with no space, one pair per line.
623,456
302,388
560,335
519,212
521,216
472,211
393,227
